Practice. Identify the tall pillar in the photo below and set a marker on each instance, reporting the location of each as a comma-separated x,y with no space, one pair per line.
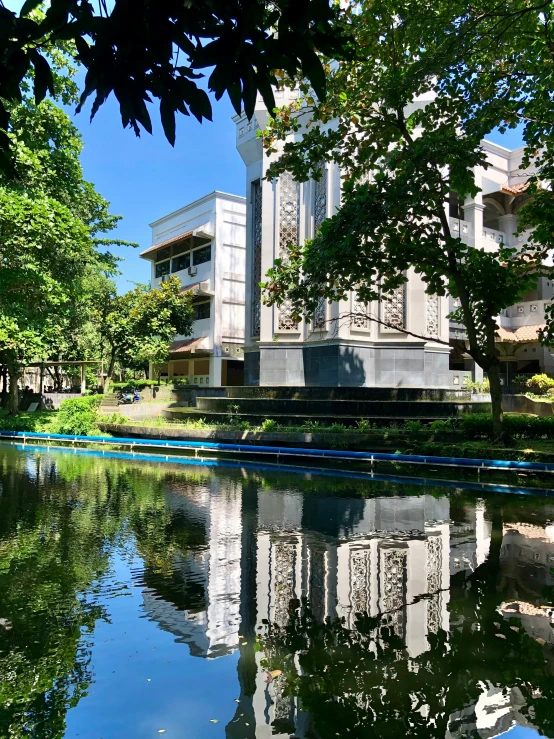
170,365
477,373
508,224
83,378
473,213
191,371
215,371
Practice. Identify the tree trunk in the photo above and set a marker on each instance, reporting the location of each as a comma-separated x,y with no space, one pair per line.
109,374
493,373
13,398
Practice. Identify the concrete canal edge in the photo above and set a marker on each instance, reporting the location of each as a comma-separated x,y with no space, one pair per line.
282,451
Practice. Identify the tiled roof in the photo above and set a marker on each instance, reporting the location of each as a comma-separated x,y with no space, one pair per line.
176,239
522,334
517,189
184,346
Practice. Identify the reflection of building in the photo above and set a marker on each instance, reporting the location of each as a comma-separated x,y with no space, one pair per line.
209,622
392,557
203,244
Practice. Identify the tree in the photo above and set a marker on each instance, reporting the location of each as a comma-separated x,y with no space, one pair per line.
139,326
416,155
52,223
143,50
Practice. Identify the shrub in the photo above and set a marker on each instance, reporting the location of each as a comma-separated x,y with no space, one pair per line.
268,424
338,428
517,426
78,416
363,425
413,426
477,387
439,425
244,425
311,426
540,384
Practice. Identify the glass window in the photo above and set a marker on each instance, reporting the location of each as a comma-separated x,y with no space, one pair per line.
181,262
201,310
162,255
204,254
162,269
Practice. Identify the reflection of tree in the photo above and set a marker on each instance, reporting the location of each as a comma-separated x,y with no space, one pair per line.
361,682
60,518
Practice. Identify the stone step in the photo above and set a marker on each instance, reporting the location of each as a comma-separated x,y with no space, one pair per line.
273,407
349,393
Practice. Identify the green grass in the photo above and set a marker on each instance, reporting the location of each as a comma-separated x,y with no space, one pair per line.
39,421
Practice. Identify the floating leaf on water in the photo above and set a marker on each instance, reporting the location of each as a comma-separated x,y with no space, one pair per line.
514,628
500,636
275,673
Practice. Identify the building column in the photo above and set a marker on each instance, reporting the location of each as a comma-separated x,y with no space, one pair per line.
170,365
215,371
83,378
473,213
191,371
477,372
508,224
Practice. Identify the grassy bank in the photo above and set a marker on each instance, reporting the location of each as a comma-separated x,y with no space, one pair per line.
532,438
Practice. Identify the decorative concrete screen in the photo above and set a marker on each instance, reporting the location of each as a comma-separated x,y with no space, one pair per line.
256,258
432,316
320,214
289,229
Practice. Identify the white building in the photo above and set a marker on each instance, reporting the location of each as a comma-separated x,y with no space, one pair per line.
329,351
203,244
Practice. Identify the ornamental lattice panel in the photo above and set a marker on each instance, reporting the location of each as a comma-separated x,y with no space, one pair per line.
393,572
394,308
285,569
320,199
360,580
320,315
256,293
432,315
360,310
289,229
433,547
289,213
318,589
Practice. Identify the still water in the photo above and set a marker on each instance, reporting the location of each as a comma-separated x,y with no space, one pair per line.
142,599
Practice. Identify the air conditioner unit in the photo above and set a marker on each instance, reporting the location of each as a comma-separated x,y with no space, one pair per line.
192,271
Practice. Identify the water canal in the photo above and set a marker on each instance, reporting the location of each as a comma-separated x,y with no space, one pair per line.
143,598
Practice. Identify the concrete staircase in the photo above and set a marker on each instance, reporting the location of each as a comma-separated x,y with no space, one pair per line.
109,403
295,406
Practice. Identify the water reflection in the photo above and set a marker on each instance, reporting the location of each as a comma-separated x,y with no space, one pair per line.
355,608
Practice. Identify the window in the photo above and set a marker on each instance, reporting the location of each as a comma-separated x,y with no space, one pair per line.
204,254
201,310
162,269
181,262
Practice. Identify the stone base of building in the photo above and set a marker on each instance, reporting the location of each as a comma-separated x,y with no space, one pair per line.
349,365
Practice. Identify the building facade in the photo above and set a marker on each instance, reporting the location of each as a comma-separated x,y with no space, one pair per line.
342,345
203,244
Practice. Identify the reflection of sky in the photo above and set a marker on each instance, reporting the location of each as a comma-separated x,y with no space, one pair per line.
522,732
183,694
